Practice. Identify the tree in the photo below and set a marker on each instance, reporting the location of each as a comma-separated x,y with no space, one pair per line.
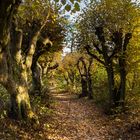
12,74
108,35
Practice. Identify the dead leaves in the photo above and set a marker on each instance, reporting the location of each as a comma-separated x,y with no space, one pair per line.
71,118
80,119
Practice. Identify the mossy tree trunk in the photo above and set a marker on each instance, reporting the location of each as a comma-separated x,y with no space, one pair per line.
17,80
13,65
20,107
12,69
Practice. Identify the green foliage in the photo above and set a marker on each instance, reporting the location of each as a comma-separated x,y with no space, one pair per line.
76,7
69,5
42,105
72,1
109,14
31,10
63,2
4,101
3,93
100,86
67,74
133,92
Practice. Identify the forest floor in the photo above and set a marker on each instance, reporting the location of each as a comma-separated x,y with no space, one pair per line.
81,119
70,118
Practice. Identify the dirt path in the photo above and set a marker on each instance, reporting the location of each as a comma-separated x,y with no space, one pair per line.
77,119
70,118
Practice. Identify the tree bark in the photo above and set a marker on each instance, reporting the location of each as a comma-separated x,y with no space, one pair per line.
84,87
7,11
90,89
122,70
111,84
13,75
37,79
122,87
20,107
17,79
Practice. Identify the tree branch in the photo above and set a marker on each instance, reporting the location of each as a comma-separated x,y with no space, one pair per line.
92,55
53,67
97,48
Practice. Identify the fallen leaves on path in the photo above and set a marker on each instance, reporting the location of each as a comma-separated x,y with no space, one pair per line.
81,119
70,118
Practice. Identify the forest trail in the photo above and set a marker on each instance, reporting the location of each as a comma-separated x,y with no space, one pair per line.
67,117
77,119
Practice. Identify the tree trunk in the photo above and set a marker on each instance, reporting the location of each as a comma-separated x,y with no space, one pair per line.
122,66
84,87
37,79
17,80
12,70
90,90
20,107
111,85
121,92
84,78
6,14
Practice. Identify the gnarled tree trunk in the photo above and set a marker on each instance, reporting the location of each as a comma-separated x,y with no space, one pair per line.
17,79
12,70
43,45
20,107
